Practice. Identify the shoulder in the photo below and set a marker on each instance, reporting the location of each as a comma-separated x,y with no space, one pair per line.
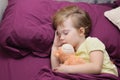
94,43
94,40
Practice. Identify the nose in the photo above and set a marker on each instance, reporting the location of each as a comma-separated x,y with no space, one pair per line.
61,38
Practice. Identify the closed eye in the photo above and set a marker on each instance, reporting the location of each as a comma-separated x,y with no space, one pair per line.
65,32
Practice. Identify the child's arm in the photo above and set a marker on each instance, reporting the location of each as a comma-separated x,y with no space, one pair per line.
94,66
54,60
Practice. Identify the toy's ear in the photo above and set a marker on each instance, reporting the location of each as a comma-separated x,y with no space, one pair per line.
57,52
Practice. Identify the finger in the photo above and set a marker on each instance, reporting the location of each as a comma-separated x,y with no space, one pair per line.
54,69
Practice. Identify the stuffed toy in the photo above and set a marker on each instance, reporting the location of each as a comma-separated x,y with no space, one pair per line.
66,55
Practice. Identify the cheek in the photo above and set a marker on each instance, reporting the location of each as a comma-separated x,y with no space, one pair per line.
72,39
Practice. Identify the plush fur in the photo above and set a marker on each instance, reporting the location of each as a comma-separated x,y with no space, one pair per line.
66,55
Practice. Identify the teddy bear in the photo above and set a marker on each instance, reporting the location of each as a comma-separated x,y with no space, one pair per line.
66,55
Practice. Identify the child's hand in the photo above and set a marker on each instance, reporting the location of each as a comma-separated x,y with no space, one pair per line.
62,68
56,41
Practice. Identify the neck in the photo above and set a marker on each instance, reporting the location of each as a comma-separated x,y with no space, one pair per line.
81,41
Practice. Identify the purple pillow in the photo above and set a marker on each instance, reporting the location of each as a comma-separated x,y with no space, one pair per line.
117,2
26,28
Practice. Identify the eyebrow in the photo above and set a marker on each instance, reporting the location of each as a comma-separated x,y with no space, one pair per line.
63,30
66,30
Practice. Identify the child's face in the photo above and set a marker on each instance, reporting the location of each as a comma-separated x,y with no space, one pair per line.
69,34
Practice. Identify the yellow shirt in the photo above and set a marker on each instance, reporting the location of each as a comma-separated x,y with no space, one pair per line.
91,44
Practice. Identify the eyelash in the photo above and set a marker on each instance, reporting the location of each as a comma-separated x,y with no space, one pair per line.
64,32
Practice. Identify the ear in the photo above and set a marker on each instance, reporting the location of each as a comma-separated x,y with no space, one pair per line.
82,30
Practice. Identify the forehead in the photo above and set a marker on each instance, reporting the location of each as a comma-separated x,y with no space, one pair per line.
67,24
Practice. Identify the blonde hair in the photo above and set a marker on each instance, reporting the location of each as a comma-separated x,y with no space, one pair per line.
79,17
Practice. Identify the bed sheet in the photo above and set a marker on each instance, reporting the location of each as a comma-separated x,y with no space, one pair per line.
20,56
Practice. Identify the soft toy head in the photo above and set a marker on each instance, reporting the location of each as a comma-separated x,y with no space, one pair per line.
67,48
64,52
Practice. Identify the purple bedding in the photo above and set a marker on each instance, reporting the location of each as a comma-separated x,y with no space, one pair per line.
26,37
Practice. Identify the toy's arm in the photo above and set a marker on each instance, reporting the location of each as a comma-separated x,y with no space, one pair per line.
74,60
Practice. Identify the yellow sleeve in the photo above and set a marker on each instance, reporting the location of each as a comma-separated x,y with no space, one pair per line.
95,44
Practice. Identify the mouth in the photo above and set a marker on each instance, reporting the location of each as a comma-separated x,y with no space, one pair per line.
63,44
